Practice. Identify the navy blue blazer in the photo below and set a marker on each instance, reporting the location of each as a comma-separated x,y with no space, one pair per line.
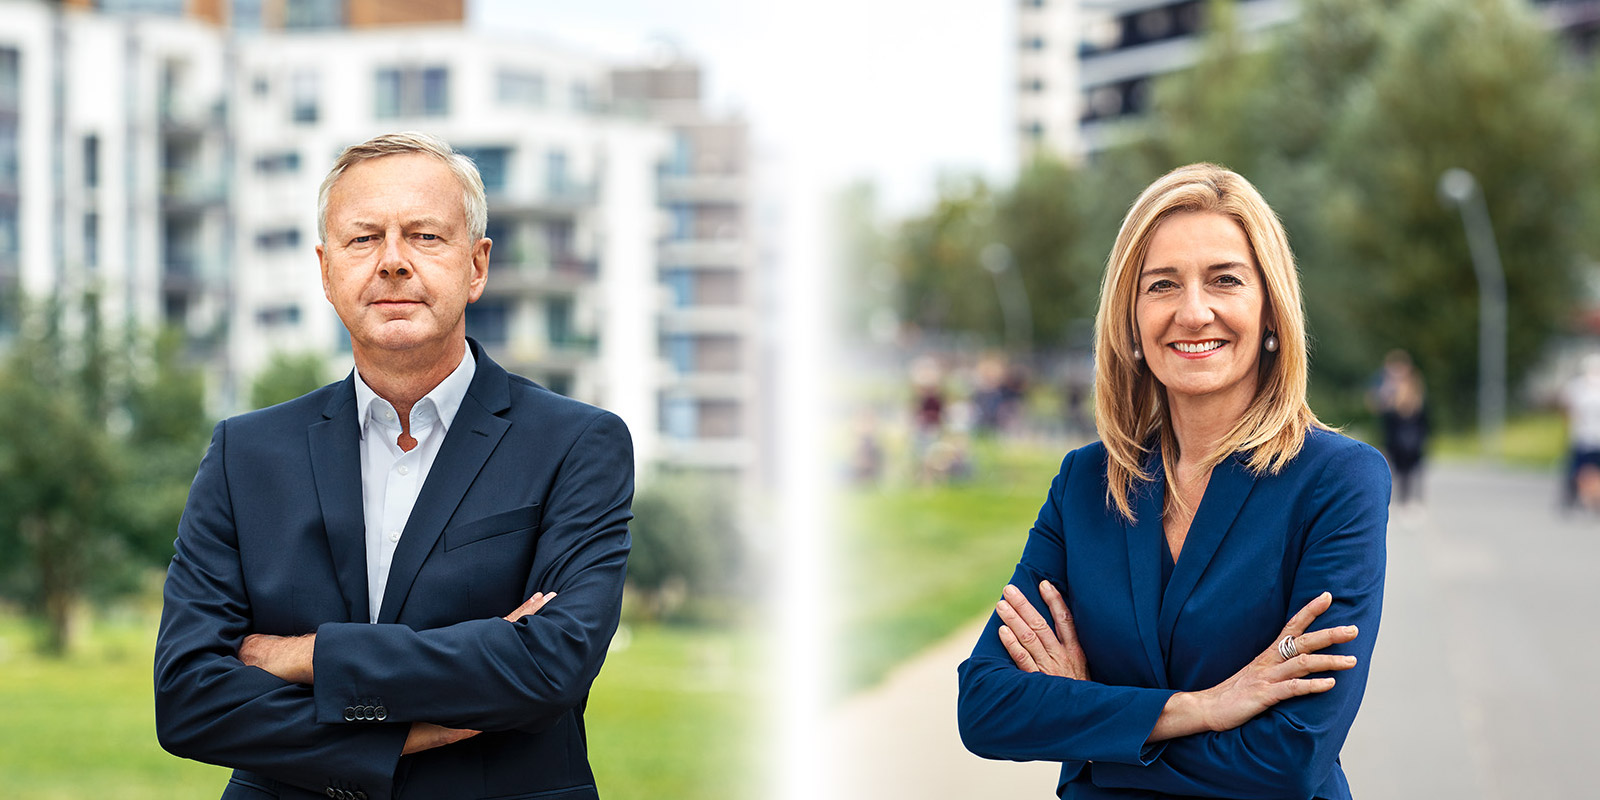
530,491
1258,550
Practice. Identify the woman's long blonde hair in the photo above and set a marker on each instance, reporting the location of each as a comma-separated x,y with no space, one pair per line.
1130,404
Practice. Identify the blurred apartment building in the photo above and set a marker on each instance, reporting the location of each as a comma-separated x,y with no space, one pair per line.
169,154
1085,67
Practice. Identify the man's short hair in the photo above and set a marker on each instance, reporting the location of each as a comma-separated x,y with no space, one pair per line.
474,201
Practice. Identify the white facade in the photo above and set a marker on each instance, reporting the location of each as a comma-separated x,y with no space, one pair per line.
1085,67
174,166
1047,78
119,148
572,208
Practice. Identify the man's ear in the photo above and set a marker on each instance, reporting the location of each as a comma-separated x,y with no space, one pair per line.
480,268
322,264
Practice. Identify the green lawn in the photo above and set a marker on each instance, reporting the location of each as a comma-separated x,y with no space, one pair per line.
916,562
668,718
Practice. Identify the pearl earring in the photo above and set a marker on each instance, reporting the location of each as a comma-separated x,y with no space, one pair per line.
1138,355
1271,343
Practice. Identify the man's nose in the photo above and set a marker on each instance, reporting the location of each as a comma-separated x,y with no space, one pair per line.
392,260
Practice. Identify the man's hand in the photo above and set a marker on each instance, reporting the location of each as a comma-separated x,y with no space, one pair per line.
426,736
530,606
288,657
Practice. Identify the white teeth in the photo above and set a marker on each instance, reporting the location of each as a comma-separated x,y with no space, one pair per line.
1197,347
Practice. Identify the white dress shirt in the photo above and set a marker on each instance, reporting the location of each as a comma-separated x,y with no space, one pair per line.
392,477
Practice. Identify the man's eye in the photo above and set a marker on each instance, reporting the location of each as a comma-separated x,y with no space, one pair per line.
427,237
362,239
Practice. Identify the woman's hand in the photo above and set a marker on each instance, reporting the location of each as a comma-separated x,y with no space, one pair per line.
1264,682
1030,641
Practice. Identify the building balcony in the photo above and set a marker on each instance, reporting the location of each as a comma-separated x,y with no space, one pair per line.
558,276
552,202
706,319
709,385
702,189
726,453
703,253
186,189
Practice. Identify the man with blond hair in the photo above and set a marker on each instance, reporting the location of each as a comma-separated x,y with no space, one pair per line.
336,615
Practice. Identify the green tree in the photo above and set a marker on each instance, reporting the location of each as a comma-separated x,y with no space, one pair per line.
94,471
685,543
59,466
1346,120
287,376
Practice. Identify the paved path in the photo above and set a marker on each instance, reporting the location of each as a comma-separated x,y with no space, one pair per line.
1483,687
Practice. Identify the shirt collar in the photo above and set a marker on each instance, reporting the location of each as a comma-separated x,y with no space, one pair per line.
446,398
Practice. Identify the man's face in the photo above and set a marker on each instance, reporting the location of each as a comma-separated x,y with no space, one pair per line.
399,264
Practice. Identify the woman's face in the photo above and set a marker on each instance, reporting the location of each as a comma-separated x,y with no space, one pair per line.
1200,309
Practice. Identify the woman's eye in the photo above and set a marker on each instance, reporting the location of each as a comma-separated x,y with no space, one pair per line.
1160,286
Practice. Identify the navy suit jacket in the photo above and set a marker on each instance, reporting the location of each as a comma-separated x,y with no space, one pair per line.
1259,549
530,491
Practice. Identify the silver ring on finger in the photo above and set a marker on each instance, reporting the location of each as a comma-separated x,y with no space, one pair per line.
1287,648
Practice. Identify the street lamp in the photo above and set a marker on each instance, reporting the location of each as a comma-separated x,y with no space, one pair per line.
1457,187
1018,316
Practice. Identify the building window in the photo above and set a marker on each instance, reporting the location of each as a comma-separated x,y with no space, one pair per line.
1033,43
278,163
10,78
679,417
412,92
304,14
680,351
680,284
8,154
719,419
91,240
682,221
278,239
558,321
558,239
278,316
520,89
555,173
91,161
303,97
1033,129
10,246
488,321
580,96
492,162
1034,85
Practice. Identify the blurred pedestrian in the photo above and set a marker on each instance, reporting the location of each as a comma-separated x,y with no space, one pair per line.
1403,415
1580,399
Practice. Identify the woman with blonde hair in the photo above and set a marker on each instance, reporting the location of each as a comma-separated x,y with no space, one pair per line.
1185,558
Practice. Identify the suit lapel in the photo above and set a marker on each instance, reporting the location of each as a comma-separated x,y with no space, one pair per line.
1231,482
1144,554
473,435
336,469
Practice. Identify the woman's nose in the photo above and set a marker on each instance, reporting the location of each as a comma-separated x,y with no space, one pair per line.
1194,311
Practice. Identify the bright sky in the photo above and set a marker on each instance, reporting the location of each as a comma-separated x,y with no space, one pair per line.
899,91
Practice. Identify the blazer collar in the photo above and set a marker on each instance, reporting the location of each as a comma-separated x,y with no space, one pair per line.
1144,565
335,444
1156,612
1230,484
473,436
336,467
